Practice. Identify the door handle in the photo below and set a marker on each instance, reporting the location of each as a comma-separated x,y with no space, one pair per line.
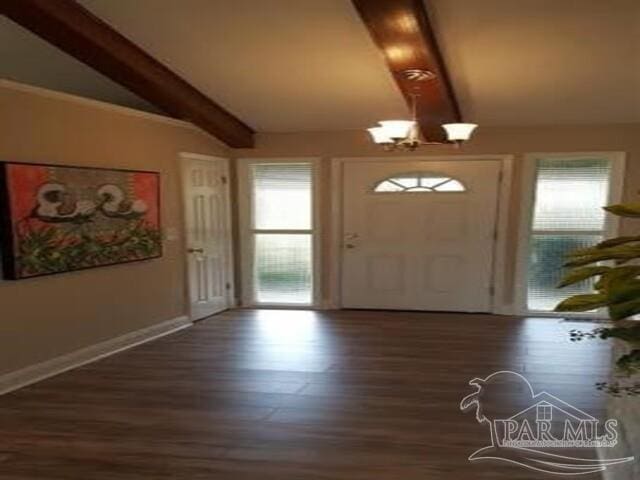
351,240
195,250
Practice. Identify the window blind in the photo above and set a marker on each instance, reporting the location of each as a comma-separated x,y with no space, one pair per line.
570,194
282,196
283,236
567,215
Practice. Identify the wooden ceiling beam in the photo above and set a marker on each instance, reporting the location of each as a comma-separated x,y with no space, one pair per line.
76,31
402,31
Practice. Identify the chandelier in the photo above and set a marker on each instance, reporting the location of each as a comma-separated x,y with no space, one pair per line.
405,134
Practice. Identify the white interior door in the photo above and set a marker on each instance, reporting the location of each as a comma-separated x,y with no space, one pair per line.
208,234
422,242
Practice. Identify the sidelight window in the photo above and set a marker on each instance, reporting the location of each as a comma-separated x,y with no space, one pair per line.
567,215
282,233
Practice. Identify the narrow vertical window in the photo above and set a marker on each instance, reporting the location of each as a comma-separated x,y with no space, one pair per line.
567,215
282,197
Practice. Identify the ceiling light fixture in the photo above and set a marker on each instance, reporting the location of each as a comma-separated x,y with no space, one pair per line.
405,134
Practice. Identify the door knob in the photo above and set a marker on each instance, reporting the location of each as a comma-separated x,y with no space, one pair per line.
195,250
351,239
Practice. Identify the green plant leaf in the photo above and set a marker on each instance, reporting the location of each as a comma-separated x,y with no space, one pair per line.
629,364
581,252
621,253
581,274
619,272
618,311
582,303
624,210
630,334
623,289
614,242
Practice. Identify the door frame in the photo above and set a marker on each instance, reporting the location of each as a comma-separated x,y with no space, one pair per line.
245,220
499,304
183,157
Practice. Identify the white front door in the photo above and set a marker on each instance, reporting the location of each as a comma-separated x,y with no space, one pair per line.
419,235
208,234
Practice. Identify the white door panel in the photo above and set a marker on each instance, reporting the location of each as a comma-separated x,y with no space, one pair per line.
208,238
386,273
419,250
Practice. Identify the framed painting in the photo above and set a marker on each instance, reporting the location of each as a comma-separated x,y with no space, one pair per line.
57,219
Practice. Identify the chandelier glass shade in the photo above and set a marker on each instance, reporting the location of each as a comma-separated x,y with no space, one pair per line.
397,129
459,132
380,135
405,134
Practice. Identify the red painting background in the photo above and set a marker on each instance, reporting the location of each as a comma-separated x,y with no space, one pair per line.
23,182
145,187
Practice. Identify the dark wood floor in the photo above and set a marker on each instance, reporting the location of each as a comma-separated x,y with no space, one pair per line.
292,395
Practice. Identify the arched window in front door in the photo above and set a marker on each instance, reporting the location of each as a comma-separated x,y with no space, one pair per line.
419,183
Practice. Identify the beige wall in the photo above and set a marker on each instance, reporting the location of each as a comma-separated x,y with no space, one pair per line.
515,141
49,316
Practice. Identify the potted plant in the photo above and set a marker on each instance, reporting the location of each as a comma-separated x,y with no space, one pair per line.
616,287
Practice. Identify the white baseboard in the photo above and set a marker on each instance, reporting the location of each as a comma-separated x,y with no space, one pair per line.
35,373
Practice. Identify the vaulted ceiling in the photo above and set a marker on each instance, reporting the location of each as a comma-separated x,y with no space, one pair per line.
26,58
309,65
